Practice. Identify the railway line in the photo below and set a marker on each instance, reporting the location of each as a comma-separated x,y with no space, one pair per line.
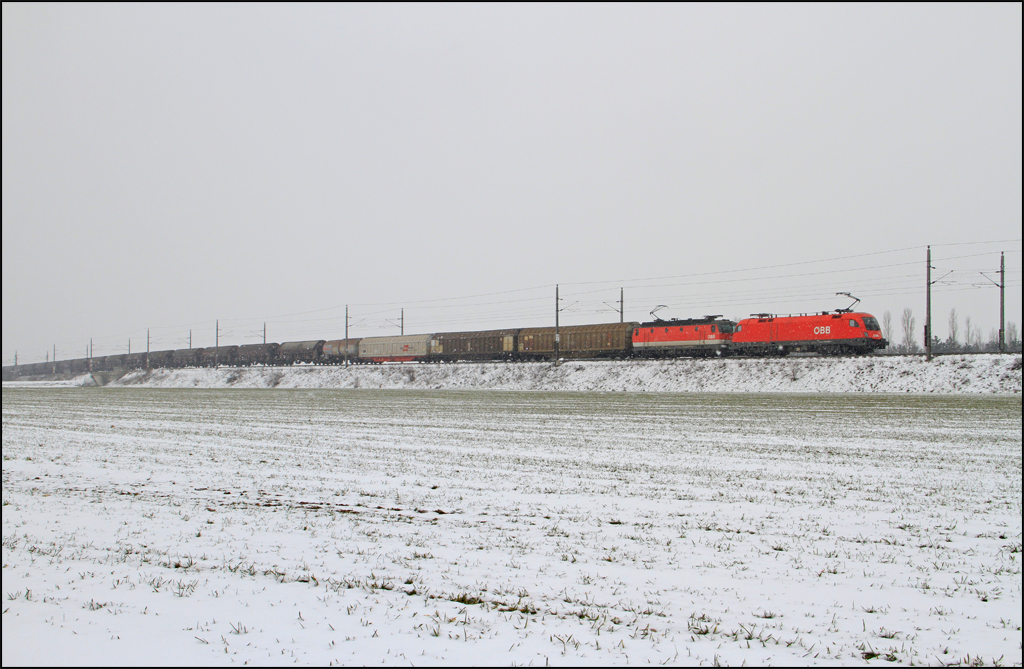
841,332
612,361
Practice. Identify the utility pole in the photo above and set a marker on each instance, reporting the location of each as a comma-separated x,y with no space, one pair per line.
1002,302
54,358
264,332
346,335
928,310
147,348
190,340
402,327
556,324
216,345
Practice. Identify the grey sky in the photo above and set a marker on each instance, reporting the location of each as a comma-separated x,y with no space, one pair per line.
165,166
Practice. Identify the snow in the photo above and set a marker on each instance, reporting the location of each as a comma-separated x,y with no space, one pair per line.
953,374
427,527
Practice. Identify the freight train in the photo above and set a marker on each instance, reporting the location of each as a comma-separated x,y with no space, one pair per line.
842,331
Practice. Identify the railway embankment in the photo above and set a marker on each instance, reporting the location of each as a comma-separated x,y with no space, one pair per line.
953,374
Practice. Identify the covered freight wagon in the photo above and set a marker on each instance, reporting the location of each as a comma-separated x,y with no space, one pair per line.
402,348
487,345
604,340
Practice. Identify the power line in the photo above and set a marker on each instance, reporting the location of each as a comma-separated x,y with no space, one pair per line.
685,289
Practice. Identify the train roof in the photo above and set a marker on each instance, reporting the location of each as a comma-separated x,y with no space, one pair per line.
706,320
835,313
575,329
295,346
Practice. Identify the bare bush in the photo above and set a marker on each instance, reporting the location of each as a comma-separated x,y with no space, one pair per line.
908,322
887,326
954,330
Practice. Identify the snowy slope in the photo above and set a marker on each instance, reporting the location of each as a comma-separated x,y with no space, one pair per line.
944,375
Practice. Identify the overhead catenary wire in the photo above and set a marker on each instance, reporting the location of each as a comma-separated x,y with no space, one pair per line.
683,291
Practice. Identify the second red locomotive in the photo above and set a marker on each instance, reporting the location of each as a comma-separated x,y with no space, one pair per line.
829,333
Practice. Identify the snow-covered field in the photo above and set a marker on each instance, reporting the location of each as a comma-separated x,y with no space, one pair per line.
168,526
954,374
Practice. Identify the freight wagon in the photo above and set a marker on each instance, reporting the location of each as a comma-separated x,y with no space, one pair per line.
486,345
292,352
606,340
403,348
257,354
184,357
215,356
161,359
337,351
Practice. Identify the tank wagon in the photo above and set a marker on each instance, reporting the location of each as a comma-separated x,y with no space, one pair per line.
338,351
136,360
292,352
184,357
115,361
31,369
215,356
100,364
257,354
161,359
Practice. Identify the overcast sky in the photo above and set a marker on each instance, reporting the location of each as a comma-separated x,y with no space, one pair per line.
167,166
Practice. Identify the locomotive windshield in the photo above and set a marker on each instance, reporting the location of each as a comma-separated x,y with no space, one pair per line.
871,323
725,327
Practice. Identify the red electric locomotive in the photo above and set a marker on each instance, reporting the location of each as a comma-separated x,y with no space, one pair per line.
829,333
693,336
